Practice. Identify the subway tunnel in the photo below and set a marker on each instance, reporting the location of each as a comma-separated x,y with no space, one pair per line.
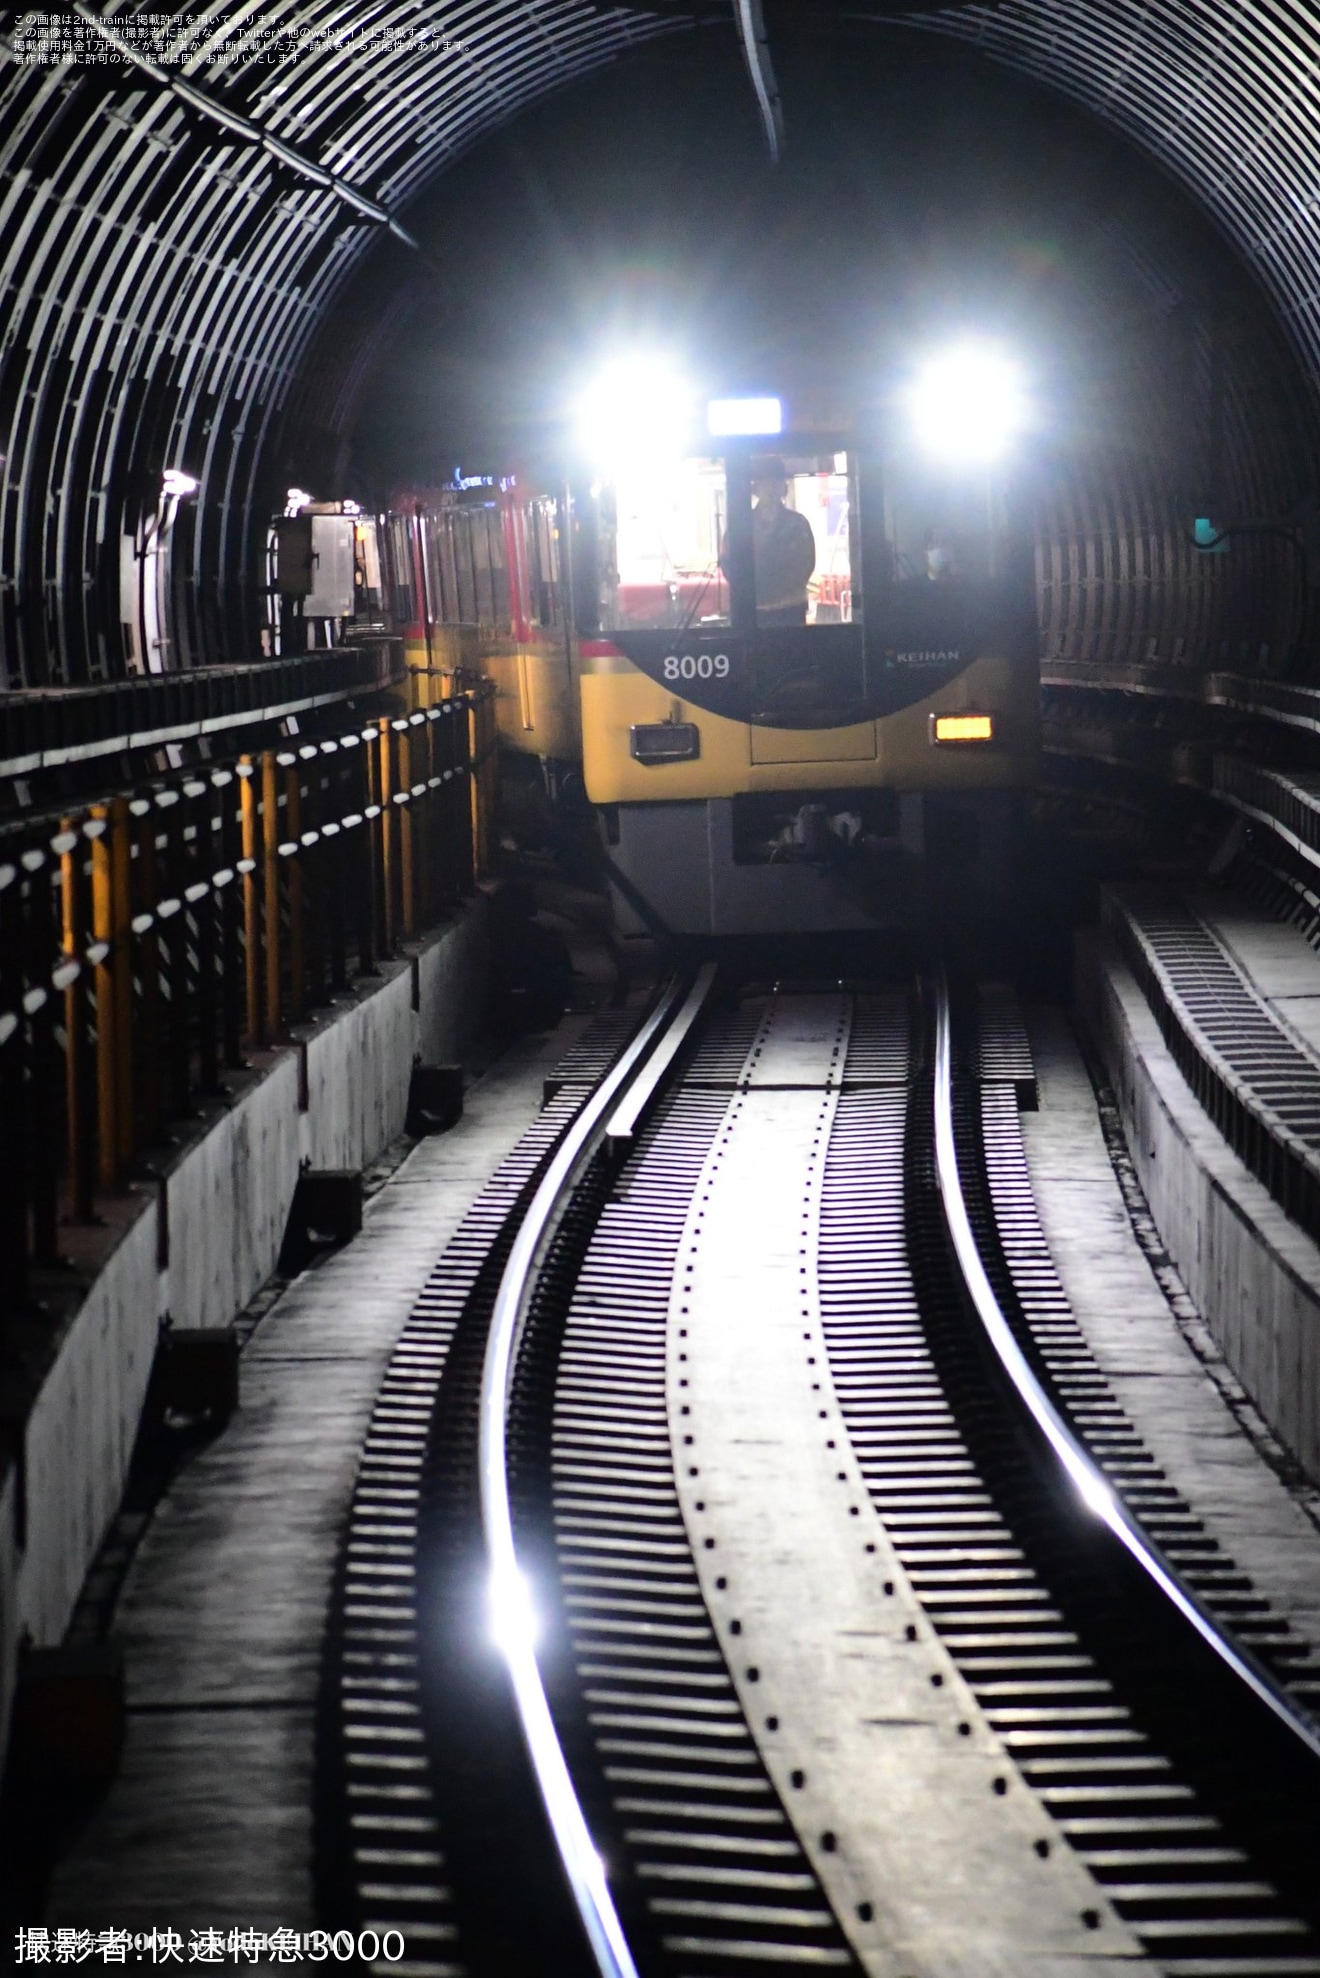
658,1251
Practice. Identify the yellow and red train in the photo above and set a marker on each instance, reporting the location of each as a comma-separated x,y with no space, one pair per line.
796,670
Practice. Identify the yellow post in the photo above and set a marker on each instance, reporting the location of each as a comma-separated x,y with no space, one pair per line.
121,962
385,799
103,934
481,730
248,808
270,889
474,780
77,1102
407,873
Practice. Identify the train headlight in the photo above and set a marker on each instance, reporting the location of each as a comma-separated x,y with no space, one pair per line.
637,410
967,404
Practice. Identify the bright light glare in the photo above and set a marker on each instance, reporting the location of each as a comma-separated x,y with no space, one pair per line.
1096,1496
743,417
637,410
296,499
513,1624
174,482
968,403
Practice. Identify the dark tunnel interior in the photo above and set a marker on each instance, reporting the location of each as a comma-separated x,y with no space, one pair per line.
921,192
179,297
967,823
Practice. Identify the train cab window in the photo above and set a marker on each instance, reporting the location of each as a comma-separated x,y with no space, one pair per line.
801,521
943,530
663,558
661,529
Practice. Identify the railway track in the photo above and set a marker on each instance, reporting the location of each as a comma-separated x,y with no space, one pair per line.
750,1571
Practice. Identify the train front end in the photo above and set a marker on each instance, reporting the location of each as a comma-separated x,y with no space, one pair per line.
809,677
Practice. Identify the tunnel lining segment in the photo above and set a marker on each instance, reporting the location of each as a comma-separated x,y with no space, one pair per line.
247,128
165,286
864,1747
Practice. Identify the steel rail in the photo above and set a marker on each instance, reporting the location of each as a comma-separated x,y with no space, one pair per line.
1076,1461
643,1065
622,1126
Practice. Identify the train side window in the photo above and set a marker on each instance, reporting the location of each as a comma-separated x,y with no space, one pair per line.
430,526
464,573
499,574
542,559
450,612
399,556
481,565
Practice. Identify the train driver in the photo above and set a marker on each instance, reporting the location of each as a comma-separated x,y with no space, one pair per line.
783,548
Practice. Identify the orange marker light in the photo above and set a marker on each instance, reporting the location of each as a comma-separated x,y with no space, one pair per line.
962,728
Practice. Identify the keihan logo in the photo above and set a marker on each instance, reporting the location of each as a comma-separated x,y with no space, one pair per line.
950,658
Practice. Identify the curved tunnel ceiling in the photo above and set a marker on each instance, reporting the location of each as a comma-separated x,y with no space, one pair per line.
168,253
1226,96
163,274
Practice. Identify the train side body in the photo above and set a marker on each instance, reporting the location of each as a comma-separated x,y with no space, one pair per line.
474,585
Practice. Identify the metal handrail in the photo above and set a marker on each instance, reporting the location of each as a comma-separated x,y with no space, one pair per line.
1083,1472
646,1061
149,940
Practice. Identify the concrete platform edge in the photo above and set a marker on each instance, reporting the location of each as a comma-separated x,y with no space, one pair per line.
228,1201
1254,1275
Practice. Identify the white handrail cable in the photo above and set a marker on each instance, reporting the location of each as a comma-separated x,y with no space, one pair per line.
645,1061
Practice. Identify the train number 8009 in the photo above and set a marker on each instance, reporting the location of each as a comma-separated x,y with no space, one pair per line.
697,666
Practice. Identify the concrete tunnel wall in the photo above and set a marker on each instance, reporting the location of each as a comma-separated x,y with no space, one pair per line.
1252,1273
